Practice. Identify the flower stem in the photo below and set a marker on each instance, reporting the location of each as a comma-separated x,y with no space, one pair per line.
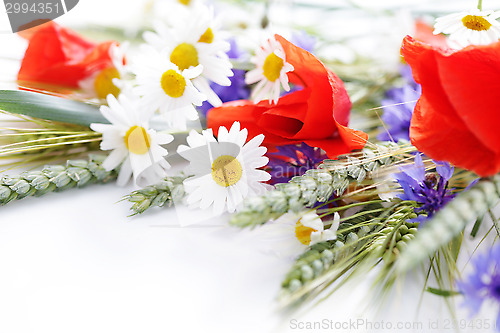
494,220
480,5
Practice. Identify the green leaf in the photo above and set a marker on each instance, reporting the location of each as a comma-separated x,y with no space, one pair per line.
48,107
443,293
475,229
455,246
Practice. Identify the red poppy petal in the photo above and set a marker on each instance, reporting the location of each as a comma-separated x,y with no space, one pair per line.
433,134
437,128
307,115
470,80
285,119
57,55
99,58
282,121
246,112
425,33
28,33
306,67
341,100
422,59
327,92
347,141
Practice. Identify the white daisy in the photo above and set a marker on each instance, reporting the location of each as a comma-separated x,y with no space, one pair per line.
104,82
289,235
194,39
167,9
162,86
310,229
472,27
270,60
225,170
135,148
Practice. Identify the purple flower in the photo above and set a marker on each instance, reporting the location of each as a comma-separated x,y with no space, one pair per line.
484,283
398,108
305,41
238,88
234,51
293,160
427,189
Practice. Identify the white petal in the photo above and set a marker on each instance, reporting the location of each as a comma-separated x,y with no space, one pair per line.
125,173
313,221
114,159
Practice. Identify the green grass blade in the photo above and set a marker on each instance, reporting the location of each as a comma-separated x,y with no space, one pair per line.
50,108
443,293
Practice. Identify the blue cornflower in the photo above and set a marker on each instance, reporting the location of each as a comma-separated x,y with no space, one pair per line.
398,108
427,189
293,160
238,88
484,283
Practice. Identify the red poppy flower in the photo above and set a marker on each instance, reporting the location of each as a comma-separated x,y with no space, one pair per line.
456,118
317,115
58,56
425,33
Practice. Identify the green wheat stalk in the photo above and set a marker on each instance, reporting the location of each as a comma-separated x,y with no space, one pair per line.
361,244
25,141
450,221
54,178
165,193
318,185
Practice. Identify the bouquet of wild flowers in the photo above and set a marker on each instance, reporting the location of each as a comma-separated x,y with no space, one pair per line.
277,151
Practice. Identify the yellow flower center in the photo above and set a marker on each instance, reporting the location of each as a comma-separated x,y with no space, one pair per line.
184,56
173,84
272,67
226,170
137,140
207,37
103,83
185,2
477,23
303,233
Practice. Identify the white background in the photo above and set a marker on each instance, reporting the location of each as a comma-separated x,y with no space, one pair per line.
74,262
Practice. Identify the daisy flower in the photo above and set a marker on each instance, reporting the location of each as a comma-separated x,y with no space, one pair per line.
472,27
238,88
103,82
135,147
169,8
310,229
193,39
289,235
225,170
164,87
271,72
